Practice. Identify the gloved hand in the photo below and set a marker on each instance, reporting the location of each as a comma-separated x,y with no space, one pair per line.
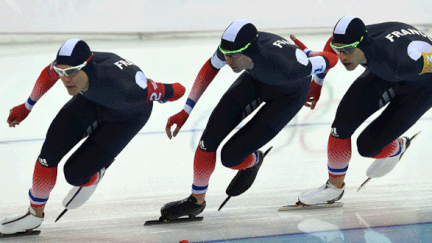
179,119
301,45
178,91
314,95
17,114
164,92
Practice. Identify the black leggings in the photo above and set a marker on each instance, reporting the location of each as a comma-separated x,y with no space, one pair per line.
407,102
107,137
241,99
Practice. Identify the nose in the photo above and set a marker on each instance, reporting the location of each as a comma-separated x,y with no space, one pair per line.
228,60
65,79
342,56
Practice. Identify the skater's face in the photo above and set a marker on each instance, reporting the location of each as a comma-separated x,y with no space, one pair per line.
74,83
350,60
238,62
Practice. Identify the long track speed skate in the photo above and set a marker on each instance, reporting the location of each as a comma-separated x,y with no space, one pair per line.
244,179
21,234
381,167
173,212
299,206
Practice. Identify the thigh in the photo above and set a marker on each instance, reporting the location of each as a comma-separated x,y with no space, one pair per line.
365,96
102,146
71,124
401,114
240,100
272,117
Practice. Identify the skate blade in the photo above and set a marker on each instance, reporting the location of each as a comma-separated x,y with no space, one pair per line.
224,202
415,135
166,221
18,234
299,206
364,183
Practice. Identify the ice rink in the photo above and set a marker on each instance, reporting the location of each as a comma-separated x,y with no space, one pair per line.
154,170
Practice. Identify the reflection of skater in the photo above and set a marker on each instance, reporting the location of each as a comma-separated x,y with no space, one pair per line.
398,62
112,101
324,230
277,74
371,235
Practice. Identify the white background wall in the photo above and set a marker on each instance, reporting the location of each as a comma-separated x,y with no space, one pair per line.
96,16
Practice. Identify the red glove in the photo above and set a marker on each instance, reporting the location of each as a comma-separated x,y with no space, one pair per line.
156,91
178,90
314,95
179,119
17,114
301,45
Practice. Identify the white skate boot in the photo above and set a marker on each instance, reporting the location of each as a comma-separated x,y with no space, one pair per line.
381,167
324,194
77,196
22,224
321,197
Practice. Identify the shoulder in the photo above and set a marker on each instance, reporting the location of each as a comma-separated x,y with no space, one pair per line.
110,68
271,41
276,49
395,33
111,62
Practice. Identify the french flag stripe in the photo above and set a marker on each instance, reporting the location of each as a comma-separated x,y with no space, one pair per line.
36,200
189,105
199,187
337,171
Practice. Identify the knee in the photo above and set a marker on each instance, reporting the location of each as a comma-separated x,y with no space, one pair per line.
48,161
230,157
207,144
73,177
73,180
341,132
366,147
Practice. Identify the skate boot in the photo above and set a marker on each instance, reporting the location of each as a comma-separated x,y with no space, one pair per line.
326,194
22,224
187,206
77,196
381,167
244,179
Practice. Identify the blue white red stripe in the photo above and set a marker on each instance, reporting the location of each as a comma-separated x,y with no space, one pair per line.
199,189
189,105
337,172
30,103
37,201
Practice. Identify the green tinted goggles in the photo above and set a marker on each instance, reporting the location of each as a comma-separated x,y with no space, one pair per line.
346,49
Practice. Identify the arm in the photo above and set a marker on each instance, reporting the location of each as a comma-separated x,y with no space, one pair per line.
317,79
418,60
202,81
205,76
46,80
